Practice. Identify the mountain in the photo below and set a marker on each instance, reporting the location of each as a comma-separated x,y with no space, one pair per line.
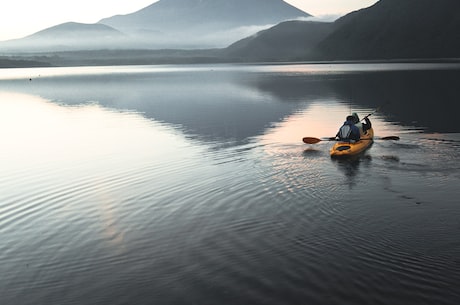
202,23
66,36
178,15
188,24
389,29
392,29
286,41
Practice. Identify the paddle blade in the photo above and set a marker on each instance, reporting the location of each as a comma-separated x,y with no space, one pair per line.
395,138
311,140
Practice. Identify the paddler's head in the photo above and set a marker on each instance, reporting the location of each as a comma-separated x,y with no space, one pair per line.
355,117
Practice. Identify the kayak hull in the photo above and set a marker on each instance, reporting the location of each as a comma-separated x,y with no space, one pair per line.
344,149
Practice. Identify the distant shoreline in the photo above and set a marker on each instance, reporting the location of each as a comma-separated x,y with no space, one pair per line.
159,57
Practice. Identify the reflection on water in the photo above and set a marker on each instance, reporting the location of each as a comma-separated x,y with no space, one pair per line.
230,104
33,128
353,166
190,184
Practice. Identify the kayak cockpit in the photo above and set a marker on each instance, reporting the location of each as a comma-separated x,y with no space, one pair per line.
343,148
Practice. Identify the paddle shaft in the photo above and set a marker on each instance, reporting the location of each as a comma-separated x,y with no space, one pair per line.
312,140
377,109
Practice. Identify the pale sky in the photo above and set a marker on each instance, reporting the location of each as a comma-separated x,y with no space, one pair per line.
19,18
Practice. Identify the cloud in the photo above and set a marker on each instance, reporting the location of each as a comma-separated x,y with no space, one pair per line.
322,18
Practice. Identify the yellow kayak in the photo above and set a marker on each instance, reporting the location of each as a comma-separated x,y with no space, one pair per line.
343,149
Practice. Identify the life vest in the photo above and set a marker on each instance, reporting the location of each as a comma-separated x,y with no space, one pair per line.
349,131
358,123
360,127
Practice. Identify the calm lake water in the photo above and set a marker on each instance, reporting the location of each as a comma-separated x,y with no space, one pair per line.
191,185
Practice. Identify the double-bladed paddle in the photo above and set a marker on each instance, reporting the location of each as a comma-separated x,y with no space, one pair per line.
312,140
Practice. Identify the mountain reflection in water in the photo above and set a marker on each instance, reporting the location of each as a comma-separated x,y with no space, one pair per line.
191,185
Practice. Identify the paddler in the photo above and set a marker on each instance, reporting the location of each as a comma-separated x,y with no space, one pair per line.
349,132
363,127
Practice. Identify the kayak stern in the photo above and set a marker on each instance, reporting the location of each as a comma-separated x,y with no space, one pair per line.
344,149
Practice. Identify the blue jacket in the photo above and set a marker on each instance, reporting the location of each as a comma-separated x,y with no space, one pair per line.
348,132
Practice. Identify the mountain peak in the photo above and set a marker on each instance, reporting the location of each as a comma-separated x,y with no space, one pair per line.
192,21
67,36
168,15
76,28
169,24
